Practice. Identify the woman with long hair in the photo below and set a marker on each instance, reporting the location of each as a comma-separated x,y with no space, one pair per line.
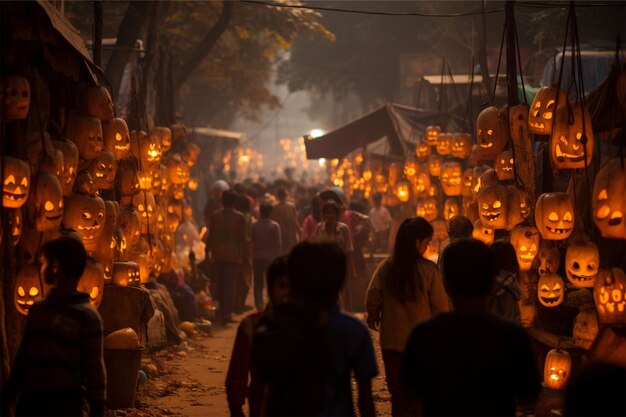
405,288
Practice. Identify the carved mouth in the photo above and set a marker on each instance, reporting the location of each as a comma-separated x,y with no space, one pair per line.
507,169
99,175
491,216
558,231
527,256
13,196
486,144
550,300
583,277
563,155
536,125
53,218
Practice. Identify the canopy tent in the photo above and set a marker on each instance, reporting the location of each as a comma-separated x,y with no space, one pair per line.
389,131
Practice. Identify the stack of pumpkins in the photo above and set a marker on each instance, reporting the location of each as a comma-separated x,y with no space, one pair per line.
119,192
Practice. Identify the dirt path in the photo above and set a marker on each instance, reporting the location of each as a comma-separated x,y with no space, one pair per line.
191,379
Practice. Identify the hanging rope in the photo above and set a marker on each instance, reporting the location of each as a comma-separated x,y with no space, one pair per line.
495,81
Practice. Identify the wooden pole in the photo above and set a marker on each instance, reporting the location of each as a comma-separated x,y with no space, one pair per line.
97,32
511,58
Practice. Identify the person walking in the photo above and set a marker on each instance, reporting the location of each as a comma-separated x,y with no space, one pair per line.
286,215
506,293
380,219
266,246
404,289
312,219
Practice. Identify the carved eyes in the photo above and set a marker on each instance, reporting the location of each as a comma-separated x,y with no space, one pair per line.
10,180
33,291
497,204
118,137
553,217
556,287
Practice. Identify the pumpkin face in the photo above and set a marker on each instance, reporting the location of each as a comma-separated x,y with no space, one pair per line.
85,214
434,165
16,182
162,135
98,102
431,135
451,178
451,208
492,129
84,184
146,207
504,166
582,263
125,274
157,181
444,143
46,204
422,184
482,233
427,208
92,283
178,171
609,199
542,110
127,179
151,153
70,164
554,216
86,133
15,95
585,328
466,182
525,240
103,170
550,290
107,249
403,191
549,260
190,155
609,293
177,191
116,137
29,288
422,150
461,145
410,169
557,368
141,259
567,142
130,225
493,206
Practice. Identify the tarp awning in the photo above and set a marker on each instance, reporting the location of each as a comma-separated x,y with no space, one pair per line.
394,127
209,133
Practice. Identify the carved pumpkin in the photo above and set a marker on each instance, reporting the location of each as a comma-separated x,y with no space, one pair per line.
403,191
411,168
427,208
585,328
157,181
461,145
15,97
116,137
557,369
86,133
141,259
46,203
431,135
450,178
394,173
482,233
422,150
444,144
16,182
164,136
29,288
451,208
85,214
70,164
125,274
554,216
568,143
98,102
477,178
549,260
53,164
190,155
609,293
178,170
129,223
107,249
493,206
504,166
582,263
525,240
103,170
518,123
434,165
492,129
609,199
421,184
542,110
146,207
126,178
550,290
466,182
92,283
151,153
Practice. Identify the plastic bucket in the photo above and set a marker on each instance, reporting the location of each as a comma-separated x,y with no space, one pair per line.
122,367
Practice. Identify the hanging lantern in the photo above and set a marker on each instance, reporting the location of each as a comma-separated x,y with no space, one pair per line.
427,208
582,263
130,224
29,288
116,137
525,240
608,200
492,130
431,135
410,168
434,165
504,166
550,290
151,153
177,170
493,206
86,133
16,182
102,170
569,143
557,369
98,102
85,214
14,217
70,164
162,135
126,274
46,204
542,110
422,184
403,191
450,177
554,216
15,97
92,283
609,293
444,144
190,154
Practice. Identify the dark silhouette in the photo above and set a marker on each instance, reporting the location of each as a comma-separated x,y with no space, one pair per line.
506,293
598,390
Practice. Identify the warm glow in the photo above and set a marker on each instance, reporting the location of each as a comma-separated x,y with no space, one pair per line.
316,133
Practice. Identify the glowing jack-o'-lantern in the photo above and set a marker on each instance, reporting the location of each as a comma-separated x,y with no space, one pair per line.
15,221
141,259
554,216
477,178
103,170
70,164
431,134
434,165
98,102
178,170
609,293
130,224
107,249
582,263
450,178
85,214
151,153
421,184
585,328
86,133
190,155
427,208
549,260
557,369
16,182
542,110
492,129
411,168
504,164
550,290
126,178
146,207
92,283
125,274
15,97
569,144
403,191
422,150
394,173
451,208
164,137
466,182
46,203
482,233
525,240
608,200
29,288
493,206
116,137
461,145
444,143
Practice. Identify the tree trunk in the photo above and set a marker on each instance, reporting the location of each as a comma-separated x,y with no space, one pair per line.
206,45
130,29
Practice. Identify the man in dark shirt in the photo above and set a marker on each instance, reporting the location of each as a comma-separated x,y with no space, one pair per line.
470,362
